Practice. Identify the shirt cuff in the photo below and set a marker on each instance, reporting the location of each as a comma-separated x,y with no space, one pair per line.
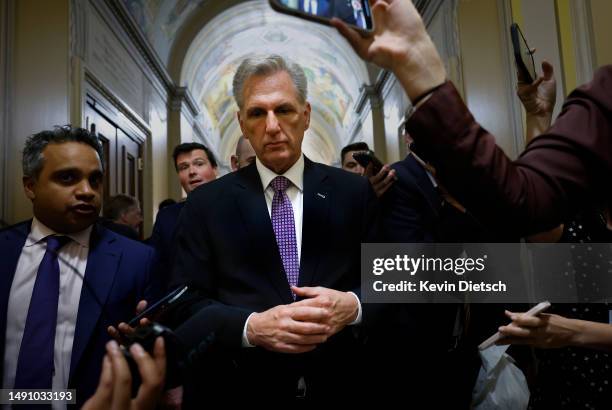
245,339
358,318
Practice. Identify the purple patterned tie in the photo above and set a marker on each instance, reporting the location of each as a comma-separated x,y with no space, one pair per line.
284,229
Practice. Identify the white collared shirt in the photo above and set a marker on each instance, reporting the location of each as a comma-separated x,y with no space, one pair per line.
295,192
71,256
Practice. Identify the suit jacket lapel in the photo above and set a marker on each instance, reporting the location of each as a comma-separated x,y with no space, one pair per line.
252,204
424,184
102,263
12,241
315,221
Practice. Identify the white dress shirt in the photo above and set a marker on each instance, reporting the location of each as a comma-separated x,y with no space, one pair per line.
73,254
295,192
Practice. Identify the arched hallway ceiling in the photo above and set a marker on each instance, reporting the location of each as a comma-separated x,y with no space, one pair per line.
161,20
335,74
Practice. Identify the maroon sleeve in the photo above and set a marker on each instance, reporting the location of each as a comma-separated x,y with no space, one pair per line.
558,172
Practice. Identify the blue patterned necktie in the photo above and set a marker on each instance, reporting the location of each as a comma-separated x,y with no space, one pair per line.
284,229
35,362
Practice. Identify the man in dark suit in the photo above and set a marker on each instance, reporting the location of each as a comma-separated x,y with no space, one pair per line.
417,209
414,210
276,259
244,155
64,279
195,165
122,214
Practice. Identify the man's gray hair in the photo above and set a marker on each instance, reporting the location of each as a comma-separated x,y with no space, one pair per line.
267,65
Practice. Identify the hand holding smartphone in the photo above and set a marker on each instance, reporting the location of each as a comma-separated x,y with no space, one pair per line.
365,158
534,311
523,56
159,306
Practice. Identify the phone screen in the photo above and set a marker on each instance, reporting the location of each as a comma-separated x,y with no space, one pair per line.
355,13
160,305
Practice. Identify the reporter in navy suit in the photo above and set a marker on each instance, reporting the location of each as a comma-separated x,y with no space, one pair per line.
64,278
195,165
248,239
419,337
416,209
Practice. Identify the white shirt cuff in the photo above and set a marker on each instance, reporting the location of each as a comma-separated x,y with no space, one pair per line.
358,318
245,339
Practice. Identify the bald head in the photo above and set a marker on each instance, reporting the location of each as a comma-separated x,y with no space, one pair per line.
245,154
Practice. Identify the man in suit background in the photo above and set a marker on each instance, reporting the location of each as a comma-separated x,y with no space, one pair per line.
122,214
276,260
64,279
195,165
417,210
346,157
380,181
244,155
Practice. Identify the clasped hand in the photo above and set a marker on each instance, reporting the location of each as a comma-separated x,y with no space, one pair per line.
301,326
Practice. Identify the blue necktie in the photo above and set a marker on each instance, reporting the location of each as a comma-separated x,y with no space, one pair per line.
35,362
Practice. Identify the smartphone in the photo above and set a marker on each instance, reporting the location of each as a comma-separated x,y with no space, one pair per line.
355,13
159,306
534,311
523,57
364,158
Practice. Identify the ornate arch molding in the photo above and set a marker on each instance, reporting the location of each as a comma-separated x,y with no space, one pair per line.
189,31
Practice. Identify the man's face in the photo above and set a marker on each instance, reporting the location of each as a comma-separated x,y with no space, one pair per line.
349,164
274,120
194,169
246,156
132,217
66,196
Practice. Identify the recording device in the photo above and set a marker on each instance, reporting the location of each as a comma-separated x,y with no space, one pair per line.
365,158
183,346
146,336
534,311
355,13
523,57
159,307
